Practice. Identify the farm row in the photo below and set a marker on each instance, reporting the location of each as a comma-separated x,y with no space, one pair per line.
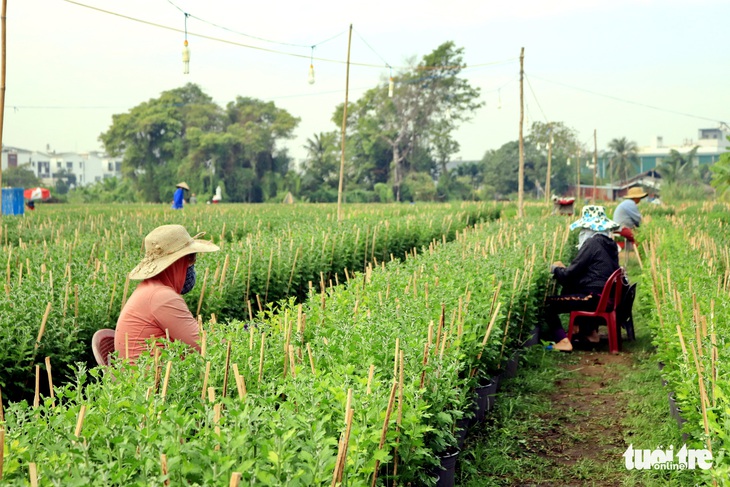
689,290
65,271
360,384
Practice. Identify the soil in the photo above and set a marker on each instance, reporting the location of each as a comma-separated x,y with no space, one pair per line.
585,421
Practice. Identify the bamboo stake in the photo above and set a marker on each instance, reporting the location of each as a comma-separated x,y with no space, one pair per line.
205,380
217,422
240,382
124,295
235,479
80,420
440,327
399,418
33,472
261,357
311,359
202,291
225,372
486,335
50,381
370,379
163,468
345,442
203,343
37,397
703,398
167,379
384,432
2,450
43,325
211,394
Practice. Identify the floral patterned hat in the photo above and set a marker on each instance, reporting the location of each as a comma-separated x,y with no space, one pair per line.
594,218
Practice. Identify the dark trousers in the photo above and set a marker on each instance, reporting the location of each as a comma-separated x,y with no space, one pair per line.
557,305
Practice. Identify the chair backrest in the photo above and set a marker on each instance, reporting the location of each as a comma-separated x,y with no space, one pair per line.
102,344
624,309
614,283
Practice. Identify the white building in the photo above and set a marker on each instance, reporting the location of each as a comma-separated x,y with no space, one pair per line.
87,167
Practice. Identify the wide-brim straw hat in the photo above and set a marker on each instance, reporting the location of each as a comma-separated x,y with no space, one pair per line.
593,217
166,244
635,192
183,185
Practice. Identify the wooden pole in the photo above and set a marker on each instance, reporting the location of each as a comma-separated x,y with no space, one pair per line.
595,164
344,128
3,17
549,163
521,169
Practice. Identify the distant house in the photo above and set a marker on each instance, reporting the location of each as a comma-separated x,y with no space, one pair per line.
86,167
711,144
647,180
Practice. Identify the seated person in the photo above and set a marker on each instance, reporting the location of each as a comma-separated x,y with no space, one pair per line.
583,280
156,307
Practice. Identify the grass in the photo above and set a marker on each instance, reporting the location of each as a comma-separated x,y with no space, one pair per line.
531,436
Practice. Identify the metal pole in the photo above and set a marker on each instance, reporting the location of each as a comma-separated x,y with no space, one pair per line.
344,128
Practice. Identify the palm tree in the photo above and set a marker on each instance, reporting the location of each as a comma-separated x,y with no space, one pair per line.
677,167
622,157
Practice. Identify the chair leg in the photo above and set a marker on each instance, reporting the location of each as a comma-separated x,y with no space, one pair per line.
612,338
570,327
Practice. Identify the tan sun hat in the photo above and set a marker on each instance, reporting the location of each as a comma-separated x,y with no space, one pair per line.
164,245
182,185
635,192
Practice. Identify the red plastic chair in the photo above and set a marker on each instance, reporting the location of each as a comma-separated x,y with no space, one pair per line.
606,309
102,344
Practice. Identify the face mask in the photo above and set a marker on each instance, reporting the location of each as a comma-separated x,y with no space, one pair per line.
189,280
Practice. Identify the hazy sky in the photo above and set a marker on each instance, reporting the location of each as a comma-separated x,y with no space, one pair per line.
589,64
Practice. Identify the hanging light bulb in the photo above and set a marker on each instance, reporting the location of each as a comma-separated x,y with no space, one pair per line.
186,58
499,99
391,85
310,78
186,50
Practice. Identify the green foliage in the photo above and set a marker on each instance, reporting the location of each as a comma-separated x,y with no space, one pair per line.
184,135
623,158
20,177
284,429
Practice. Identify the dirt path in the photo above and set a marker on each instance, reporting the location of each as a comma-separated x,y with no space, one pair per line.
583,431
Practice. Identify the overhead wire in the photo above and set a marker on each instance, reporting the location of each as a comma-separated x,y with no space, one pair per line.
536,100
252,36
630,102
275,51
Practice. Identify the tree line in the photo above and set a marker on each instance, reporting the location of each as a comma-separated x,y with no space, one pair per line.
398,147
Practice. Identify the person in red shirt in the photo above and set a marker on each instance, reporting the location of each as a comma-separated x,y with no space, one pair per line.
156,308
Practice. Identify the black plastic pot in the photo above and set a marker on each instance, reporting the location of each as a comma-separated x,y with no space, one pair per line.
481,405
510,369
447,473
462,428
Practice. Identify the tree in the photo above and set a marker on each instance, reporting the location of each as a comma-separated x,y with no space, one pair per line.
430,100
721,175
183,135
322,165
678,167
623,158
151,137
20,177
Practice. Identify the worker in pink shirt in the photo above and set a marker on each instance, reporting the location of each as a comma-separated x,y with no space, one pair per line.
156,308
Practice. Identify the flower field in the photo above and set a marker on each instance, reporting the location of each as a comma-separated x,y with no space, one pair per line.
333,353
690,293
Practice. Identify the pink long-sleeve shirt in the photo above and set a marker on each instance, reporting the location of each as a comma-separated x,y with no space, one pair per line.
155,306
